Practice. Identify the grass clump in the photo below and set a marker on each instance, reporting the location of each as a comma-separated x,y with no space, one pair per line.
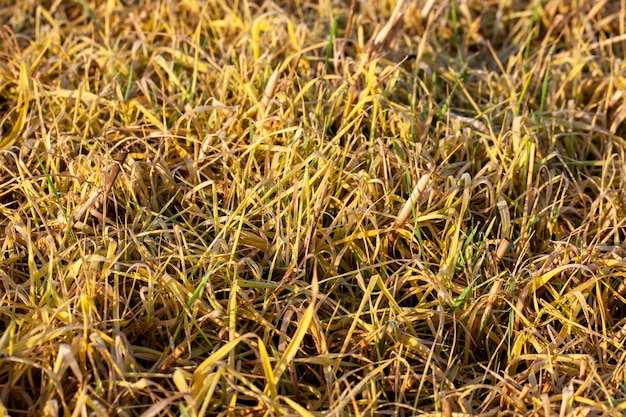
330,208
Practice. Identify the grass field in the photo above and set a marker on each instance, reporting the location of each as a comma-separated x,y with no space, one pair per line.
354,208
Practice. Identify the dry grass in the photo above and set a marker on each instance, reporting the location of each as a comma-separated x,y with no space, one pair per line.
332,208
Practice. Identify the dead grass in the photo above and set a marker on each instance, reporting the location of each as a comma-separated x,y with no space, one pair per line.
289,208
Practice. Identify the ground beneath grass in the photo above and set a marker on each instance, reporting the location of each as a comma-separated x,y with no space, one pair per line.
312,208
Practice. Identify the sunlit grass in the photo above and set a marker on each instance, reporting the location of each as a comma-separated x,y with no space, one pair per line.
288,208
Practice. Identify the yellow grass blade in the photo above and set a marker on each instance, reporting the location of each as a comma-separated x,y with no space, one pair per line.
24,88
270,386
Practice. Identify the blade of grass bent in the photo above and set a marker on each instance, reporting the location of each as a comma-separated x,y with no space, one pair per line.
303,328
